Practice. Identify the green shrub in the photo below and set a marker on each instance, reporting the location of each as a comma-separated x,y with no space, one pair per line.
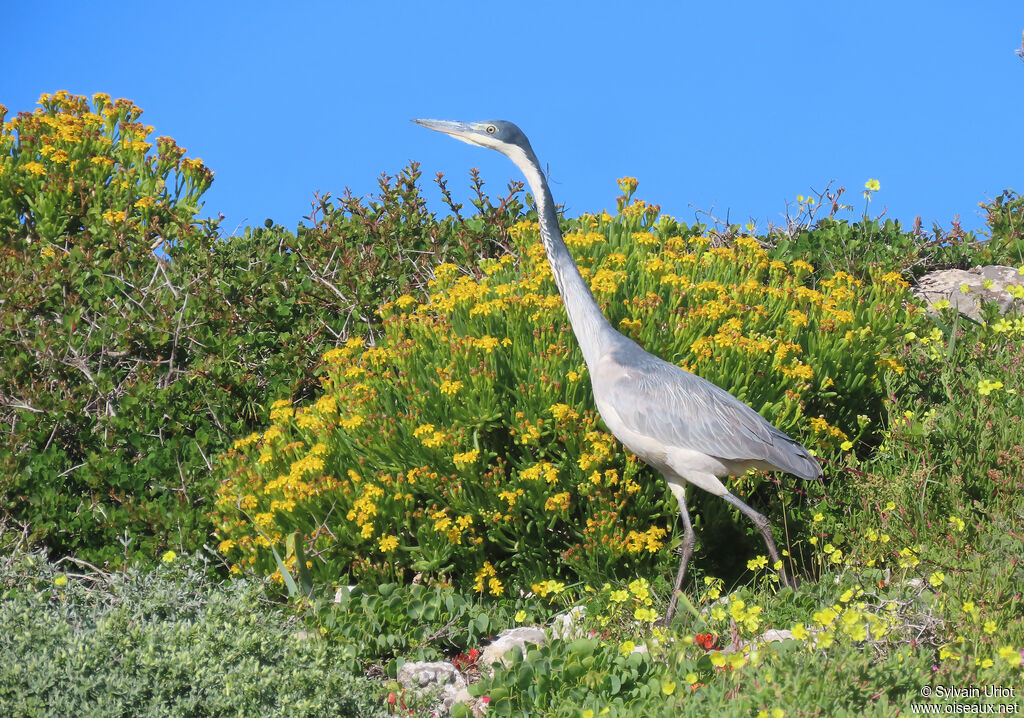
465,445
126,373
865,244
1005,219
408,622
161,642
960,380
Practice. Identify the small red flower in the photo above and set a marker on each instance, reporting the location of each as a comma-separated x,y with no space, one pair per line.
705,640
467,659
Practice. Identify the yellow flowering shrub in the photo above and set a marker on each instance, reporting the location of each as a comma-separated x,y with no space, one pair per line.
489,464
75,162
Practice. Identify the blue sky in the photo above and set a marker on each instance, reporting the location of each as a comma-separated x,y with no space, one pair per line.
732,107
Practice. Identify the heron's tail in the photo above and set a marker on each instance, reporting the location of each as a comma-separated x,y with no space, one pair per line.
806,466
785,453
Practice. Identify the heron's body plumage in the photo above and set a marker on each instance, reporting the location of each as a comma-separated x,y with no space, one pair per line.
678,409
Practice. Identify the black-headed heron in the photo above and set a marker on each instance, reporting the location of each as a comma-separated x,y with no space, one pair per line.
684,426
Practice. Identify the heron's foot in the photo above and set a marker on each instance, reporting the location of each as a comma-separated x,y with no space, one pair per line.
670,612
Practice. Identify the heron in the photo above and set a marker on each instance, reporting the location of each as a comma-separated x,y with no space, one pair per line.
685,427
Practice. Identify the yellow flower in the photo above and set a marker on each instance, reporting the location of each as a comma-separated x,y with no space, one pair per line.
618,596
558,502
520,616
908,559
450,387
1010,655
495,586
487,343
825,617
797,318
169,557
387,543
937,578
548,587
645,614
872,185
986,387
640,588
757,563
405,301
668,687
562,411
846,445
60,580
989,627
351,422
799,632
423,430
627,647
465,459
737,660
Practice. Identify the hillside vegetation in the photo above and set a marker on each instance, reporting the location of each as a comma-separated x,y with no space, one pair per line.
394,401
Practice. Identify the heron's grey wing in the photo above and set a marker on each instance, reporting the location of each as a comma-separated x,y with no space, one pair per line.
676,408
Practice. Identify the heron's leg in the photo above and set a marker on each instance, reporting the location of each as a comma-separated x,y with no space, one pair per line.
766,531
689,541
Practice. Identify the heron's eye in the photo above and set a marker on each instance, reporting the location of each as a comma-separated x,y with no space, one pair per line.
491,129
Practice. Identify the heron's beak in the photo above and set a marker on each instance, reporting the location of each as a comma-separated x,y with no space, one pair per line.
459,130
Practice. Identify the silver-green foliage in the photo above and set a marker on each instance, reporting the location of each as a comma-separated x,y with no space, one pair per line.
161,642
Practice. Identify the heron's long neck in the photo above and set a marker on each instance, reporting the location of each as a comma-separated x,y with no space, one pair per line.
590,326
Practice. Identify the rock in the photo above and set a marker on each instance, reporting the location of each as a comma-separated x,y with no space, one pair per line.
477,707
774,634
566,625
989,284
421,676
511,638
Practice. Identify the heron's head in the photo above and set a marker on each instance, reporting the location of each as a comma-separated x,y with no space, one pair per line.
498,135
